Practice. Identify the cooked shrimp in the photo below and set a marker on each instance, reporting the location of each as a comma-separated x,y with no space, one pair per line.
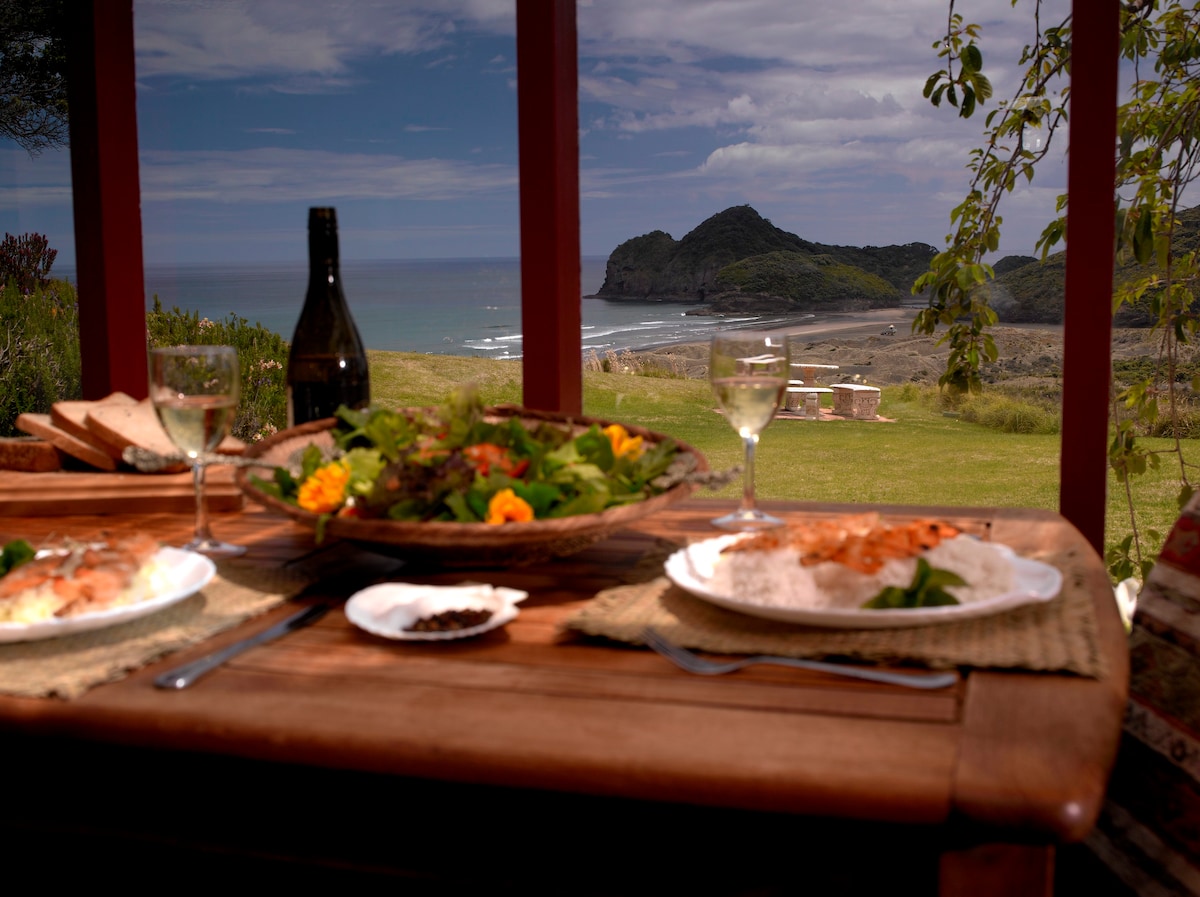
861,542
81,580
92,588
27,576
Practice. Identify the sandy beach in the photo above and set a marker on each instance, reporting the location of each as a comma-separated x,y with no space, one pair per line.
865,352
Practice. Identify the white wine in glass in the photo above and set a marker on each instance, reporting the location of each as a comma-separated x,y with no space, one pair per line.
195,393
748,370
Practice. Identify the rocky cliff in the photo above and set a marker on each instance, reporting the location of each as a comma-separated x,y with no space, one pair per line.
738,261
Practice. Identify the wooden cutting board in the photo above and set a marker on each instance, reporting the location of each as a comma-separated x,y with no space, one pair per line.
62,492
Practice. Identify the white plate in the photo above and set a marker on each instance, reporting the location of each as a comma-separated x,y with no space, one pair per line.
186,572
390,608
1033,582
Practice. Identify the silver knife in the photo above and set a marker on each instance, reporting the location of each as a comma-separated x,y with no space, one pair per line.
185,675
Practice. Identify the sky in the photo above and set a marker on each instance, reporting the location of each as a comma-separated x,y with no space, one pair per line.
402,114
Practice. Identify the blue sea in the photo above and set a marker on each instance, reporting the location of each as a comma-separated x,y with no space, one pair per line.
443,306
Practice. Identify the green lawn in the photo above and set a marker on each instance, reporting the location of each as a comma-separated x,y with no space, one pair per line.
923,457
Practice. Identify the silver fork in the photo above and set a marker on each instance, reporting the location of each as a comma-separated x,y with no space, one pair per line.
685,659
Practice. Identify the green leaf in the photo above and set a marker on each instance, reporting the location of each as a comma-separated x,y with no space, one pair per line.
968,103
1143,238
15,554
462,509
539,496
310,460
971,58
365,467
928,589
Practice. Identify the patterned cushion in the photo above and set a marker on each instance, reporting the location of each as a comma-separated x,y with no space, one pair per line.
1148,833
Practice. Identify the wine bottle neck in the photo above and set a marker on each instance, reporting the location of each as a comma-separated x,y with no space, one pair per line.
322,240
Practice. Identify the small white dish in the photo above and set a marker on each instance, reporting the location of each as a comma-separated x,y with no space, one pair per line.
691,569
389,609
184,573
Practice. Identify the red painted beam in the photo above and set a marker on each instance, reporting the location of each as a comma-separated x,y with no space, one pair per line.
1087,340
548,131
107,206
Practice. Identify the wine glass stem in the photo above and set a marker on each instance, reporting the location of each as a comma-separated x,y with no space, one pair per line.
202,532
748,483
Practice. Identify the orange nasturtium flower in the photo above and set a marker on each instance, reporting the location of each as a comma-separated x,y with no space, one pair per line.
325,490
623,443
506,505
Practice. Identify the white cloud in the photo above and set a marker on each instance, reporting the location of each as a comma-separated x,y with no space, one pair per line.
296,44
27,182
270,175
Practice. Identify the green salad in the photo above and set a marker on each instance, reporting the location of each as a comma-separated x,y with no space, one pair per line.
452,464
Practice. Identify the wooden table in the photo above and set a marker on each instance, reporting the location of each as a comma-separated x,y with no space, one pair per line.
531,761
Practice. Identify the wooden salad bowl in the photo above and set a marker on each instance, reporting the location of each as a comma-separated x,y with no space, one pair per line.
465,544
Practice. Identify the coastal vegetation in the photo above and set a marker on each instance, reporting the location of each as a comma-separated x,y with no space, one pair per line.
39,349
262,360
808,284
40,360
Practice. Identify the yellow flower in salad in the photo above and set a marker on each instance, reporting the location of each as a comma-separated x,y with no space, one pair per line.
325,491
506,505
623,443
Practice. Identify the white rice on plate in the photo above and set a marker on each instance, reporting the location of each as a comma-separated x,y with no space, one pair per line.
776,578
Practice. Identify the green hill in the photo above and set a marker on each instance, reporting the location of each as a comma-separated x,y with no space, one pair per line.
1034,292
738,261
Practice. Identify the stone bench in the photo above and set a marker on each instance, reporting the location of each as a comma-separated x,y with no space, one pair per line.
856,401
796,395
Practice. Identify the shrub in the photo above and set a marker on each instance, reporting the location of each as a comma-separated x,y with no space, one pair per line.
39,350
1009,414
262,357
1185,425
26,261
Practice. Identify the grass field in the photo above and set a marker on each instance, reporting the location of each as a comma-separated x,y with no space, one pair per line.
922,457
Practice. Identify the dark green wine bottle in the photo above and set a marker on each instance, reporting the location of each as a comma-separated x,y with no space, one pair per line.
327,365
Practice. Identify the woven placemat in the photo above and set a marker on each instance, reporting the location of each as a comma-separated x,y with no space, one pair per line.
67,667
1057,636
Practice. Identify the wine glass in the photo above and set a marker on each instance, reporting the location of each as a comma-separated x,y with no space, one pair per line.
749,371
195,393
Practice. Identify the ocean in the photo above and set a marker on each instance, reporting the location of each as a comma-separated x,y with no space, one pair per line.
441,306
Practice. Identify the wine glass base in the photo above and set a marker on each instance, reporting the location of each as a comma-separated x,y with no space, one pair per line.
742,521
214,548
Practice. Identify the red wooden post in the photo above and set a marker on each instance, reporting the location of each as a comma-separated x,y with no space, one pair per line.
548,129
104,175
1087,334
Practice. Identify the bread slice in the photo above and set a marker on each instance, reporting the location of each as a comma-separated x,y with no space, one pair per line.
119,426
71,416
29,454
40,425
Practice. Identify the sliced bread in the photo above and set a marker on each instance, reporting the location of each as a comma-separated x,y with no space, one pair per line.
71,416
120,426
39,425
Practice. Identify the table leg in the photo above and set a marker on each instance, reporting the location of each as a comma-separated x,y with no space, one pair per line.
997,870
